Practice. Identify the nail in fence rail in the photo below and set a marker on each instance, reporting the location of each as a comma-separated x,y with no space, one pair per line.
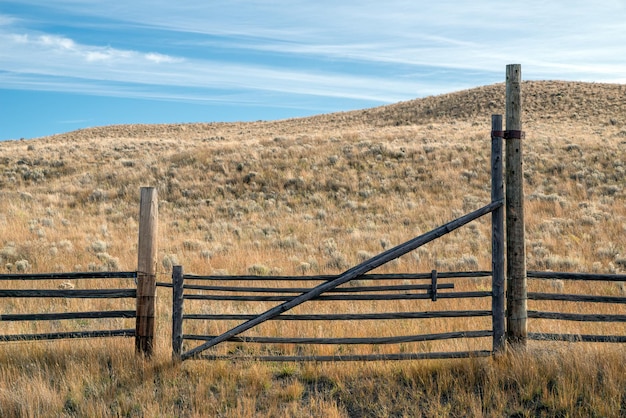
129,293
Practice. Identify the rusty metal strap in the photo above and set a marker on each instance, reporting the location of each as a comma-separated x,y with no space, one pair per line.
512,134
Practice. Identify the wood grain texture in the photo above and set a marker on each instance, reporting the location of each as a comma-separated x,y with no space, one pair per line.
497,238
576,298
391,296
177,312
146,270
515,241
577,317
554,275
69,294
345,317
358,357
68,315
72,276
68,335
347,341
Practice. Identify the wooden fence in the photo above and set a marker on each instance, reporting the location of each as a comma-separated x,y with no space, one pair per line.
143,290
580,300
122,293
434,286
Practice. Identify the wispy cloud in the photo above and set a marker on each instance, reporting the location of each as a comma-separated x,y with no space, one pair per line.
364,50
64,59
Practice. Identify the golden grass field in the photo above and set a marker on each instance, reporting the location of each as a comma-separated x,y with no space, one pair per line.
316,196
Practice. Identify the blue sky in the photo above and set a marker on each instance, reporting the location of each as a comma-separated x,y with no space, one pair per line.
70,64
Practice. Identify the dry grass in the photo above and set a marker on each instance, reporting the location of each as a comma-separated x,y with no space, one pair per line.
317,195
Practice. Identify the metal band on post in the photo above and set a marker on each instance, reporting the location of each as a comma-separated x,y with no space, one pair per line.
510,134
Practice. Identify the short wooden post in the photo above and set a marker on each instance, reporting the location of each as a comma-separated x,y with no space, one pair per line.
433,285
146,271
497,236
177,312
516,252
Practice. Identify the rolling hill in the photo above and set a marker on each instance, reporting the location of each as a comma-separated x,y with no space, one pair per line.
318,195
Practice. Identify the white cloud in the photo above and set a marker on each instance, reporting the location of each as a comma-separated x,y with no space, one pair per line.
160,58
56,42
92,56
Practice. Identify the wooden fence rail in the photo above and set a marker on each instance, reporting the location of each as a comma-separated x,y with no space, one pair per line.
70,294
68,335
327,277
346,317
554,275
71,276
357,357
456,295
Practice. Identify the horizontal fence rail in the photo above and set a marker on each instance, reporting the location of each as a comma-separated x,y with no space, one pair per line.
68,315
577,338
366,340
576,276
70,294
455,295
577,317
128,293
68,335
358,357
71,276
576,298
306,289
346,317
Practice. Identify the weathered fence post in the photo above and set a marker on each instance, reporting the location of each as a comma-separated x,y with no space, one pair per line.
497,236
146,271
516,252
177,312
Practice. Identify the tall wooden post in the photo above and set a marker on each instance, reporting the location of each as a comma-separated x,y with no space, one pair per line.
497,236
516,252
146,271
177,312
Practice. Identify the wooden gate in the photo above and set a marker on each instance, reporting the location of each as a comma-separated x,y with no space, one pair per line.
331,289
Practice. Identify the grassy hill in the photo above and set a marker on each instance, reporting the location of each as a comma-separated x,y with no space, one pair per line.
317,195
